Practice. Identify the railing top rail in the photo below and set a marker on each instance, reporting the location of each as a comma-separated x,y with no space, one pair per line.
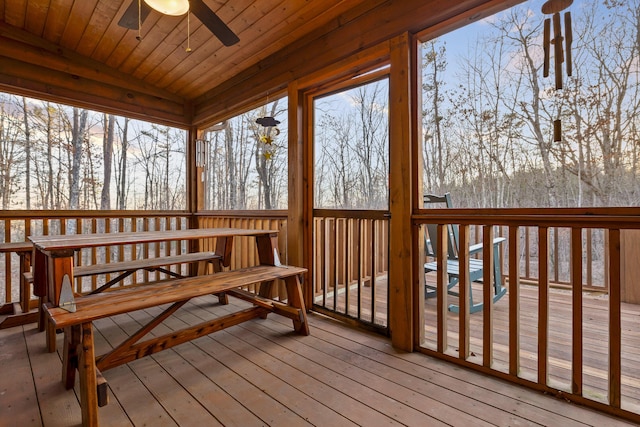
55,214
351,213
271,213
624,218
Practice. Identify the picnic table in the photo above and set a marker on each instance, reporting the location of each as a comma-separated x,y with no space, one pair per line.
53,271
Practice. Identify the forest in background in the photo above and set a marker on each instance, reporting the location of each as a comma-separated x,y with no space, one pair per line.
54,156
488,111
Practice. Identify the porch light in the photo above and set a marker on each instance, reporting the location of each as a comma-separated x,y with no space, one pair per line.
169,7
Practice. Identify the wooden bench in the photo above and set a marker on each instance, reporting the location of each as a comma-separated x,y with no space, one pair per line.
79,353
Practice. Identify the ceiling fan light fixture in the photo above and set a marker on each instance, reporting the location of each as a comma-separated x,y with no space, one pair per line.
169,7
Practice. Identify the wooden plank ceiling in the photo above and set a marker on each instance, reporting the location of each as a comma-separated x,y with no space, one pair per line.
89,60
159,63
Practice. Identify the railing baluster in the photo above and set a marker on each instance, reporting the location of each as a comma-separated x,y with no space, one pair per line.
543,305
615,323
556,259
527,250
442,279
514,300
358,266
464,290
373,253
334,265
487,295
576,309
7,263
346,244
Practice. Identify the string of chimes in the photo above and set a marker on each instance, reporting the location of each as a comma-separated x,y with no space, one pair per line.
554,7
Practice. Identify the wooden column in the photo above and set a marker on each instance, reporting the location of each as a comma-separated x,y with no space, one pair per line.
401,189
630,257
300,209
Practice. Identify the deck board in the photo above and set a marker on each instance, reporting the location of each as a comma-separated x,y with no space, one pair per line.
261,373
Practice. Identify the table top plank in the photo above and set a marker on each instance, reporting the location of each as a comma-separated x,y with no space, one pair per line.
75,241
16,247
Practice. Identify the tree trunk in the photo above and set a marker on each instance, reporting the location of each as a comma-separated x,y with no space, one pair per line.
77,132
105,200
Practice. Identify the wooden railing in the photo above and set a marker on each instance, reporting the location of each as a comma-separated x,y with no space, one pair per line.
350,256
594,240
563,322
17,226
350,252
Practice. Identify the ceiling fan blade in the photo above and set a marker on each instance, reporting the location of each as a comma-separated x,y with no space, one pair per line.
213,22
130,17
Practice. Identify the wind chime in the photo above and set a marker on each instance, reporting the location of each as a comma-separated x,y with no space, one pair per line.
560,56
269,124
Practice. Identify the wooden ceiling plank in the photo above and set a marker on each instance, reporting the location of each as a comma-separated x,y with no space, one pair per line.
159,62
113,38
99,22
57,20
129,41
154,37
16,13
37,16
173,48
77,23
205,50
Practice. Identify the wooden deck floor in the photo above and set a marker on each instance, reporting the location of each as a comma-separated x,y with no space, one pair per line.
260,373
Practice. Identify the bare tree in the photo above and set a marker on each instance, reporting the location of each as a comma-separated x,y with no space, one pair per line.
78,136
10,158
27,152
107,152
122,165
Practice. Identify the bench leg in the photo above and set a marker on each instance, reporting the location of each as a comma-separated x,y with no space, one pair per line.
266,290
70,355
88,381
42,320
223,298
295,299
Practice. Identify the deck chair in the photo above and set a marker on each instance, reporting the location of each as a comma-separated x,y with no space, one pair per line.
453,270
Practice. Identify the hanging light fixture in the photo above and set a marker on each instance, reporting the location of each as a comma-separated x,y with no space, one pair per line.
169,7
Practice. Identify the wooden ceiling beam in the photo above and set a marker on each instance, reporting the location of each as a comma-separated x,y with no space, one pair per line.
32,67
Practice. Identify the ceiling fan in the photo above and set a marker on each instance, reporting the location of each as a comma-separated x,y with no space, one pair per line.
176,8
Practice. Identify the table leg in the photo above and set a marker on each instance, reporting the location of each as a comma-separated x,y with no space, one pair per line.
224,246
25,287
40,284
268,249
58,265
